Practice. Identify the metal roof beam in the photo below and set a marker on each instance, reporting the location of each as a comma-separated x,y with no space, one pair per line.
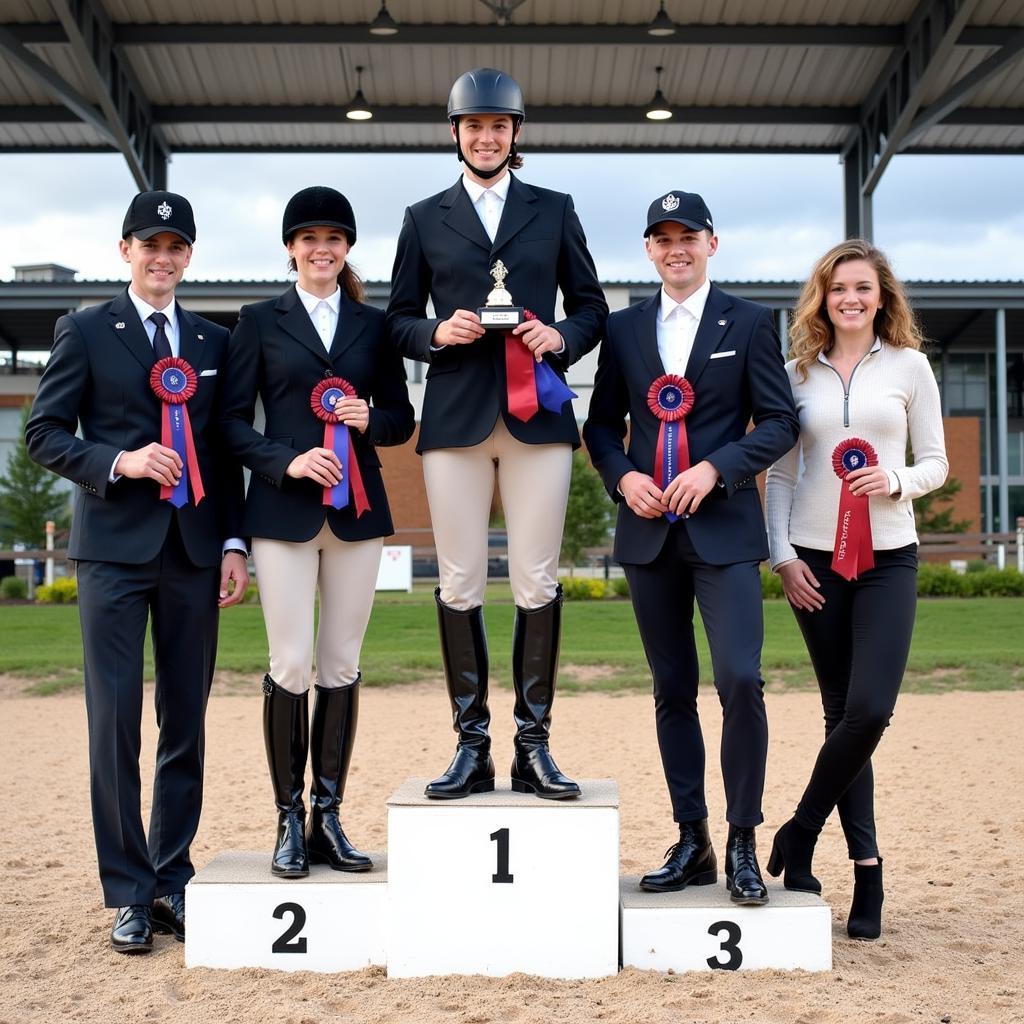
73,101
894,100
961,91
125,108
205,34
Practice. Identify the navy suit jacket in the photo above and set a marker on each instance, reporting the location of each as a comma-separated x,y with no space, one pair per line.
98,376
276,353
444,255
730,391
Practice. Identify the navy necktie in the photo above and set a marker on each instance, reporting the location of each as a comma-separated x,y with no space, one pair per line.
161,346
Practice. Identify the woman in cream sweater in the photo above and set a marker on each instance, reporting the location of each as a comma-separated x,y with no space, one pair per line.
857,376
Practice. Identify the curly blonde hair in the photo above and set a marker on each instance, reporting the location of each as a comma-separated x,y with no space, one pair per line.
811,332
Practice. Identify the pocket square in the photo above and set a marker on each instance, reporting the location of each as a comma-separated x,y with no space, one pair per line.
207,373
722,355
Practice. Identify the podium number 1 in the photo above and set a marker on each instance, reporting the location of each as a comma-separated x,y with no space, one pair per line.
729,946
501,838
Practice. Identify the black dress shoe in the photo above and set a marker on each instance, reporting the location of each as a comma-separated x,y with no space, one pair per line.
742,873
691,861
535,771
792,852
133,930
169,915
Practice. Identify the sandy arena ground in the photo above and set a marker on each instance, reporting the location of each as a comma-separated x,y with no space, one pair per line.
951,820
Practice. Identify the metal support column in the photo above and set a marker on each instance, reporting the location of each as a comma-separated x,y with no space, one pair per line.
783,321
1002,449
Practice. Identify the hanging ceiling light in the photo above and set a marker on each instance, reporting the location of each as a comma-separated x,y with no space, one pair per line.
658,109
383,24
358,109
661,24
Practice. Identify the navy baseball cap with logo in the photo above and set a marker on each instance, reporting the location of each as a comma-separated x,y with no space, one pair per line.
686,208
152,212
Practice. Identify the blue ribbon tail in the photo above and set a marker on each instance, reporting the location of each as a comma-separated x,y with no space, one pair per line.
339,492
552,392
668,461
179,496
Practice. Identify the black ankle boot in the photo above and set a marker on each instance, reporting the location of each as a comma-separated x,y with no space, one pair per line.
535,641
866,909
691,861
464,650
793,851
332,734
742,872
286,734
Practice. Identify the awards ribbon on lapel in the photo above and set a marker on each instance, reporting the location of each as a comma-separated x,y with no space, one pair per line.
322,401
531,385
670,398
853,552
174,382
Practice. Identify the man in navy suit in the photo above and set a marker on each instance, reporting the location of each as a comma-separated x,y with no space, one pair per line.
142,556
699,532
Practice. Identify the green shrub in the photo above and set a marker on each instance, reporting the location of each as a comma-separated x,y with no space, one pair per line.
994,583
577,588
620,586
64,590
935,580
977,565
771,584
13,589
252,594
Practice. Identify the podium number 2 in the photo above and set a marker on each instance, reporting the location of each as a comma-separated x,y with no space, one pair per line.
501,838
287,941
730,946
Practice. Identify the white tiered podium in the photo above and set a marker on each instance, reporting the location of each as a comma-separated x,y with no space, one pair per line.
701,929
503,882
239,915
492,884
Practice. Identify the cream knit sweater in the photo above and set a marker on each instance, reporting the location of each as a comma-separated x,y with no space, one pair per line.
892,394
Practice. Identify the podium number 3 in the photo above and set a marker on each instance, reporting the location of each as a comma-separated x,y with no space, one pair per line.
730,946
501,838
287,941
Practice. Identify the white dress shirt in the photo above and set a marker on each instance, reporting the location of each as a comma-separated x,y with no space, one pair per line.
677,325
488,201
145,310
323,312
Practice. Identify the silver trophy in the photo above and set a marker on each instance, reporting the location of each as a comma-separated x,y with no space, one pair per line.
500,312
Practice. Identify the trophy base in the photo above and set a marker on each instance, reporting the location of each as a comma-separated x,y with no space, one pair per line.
500,318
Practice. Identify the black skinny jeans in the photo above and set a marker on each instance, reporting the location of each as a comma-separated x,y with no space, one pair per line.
858,643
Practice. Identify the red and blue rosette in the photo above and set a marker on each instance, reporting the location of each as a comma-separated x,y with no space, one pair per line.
322,401
174,382
853,552
670,398
531,385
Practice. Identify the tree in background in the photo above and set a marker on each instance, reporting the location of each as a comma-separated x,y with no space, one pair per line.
29,495
588,513
932,519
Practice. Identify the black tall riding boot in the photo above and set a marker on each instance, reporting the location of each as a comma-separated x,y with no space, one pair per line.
464,650
535,642
286,734
332,734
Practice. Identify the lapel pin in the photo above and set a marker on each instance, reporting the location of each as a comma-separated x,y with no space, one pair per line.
722,323
199,336
119,325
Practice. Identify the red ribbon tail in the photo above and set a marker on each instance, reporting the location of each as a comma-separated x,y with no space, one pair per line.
165,440
193,460
356,481
659,458
328,444
853,552
683,447
520,378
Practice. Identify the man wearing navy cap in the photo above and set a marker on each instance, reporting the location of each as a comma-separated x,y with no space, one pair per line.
154,535
692,366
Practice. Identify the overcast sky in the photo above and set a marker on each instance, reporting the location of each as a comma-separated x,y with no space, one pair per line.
946,217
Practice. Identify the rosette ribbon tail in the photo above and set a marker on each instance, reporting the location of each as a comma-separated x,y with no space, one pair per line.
520,379
552,391
853,551
336,439
670,398
173,381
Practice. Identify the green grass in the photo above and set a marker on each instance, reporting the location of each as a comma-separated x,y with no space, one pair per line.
958,643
